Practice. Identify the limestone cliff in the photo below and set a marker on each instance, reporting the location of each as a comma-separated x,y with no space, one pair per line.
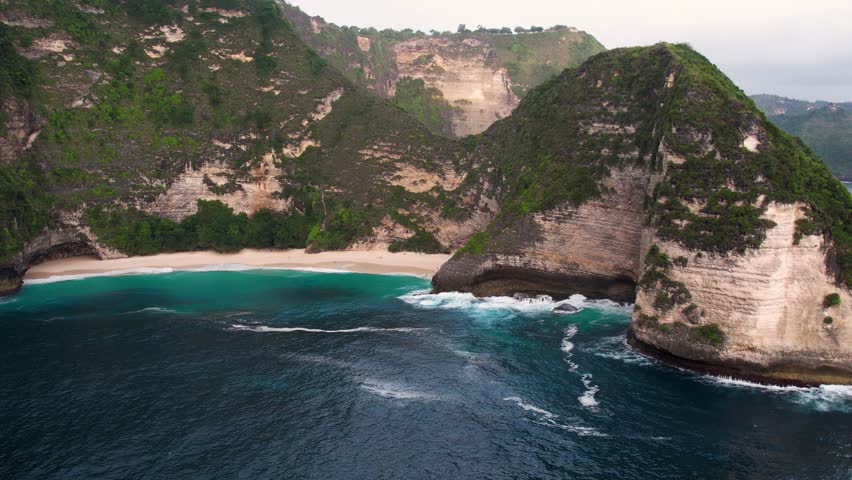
769,304
730,233
642,173
481,75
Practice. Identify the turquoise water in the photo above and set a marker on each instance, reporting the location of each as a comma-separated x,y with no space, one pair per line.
287,374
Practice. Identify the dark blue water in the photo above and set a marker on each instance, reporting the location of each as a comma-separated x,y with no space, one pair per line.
282,374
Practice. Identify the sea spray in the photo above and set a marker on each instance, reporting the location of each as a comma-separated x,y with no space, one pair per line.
587,399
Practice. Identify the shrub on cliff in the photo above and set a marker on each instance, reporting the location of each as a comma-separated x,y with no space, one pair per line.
831,300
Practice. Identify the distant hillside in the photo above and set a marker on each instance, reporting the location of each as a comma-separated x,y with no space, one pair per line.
457,83
825,127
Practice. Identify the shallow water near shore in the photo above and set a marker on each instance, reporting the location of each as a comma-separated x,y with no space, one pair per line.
294,374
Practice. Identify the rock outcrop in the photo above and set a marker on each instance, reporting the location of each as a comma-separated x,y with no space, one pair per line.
466,72
769,304
592,249
479,74
641,174
727,278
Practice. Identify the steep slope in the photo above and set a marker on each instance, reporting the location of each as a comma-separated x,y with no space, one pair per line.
666,177
824,126
469,79
137,128
179,125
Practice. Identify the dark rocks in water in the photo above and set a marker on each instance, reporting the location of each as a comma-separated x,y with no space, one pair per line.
566,309
521,297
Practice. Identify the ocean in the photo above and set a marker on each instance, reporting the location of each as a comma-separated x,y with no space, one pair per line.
261,374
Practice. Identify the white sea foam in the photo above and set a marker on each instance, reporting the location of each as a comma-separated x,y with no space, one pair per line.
239,267
113,273
152,309
824,398
567,346
587,399
395,391
221,267
547,418
530,407
538,304
617,348
267,329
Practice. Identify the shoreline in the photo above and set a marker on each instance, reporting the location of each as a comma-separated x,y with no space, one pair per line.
355,261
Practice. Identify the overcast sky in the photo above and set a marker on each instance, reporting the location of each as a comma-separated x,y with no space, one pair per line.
796,48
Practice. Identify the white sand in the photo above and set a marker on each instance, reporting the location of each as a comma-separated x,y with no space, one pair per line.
355,261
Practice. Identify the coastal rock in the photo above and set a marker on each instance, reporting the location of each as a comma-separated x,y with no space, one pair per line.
566,309
767,302
592,249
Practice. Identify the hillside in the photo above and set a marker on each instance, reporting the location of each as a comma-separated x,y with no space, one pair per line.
643,173
185,125
646,174
456,83
824,127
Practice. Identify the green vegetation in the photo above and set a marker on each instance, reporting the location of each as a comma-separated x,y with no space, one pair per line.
426,104
18,76
422,241
711,333
476,245
781,170
214,226
670,293
831,300
825,127
827,320
24,208
529,59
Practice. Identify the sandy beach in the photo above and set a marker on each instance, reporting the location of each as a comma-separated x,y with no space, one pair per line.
353,261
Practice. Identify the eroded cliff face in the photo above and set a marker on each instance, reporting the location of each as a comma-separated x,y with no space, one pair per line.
466,71
768,303
726,279
480,75
592,249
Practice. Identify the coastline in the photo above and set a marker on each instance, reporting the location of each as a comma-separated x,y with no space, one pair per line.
360,261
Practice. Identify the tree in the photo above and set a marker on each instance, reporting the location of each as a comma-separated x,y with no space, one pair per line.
536,29
506,31
462,28
520,29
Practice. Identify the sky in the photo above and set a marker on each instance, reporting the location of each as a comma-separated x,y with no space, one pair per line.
796,48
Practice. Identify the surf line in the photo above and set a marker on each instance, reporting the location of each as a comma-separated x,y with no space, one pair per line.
587,399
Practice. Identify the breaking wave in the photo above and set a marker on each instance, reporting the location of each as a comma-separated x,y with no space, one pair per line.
824,398
587,399
395,391
266,329
537,304
151,310
616,348
545,417
112,273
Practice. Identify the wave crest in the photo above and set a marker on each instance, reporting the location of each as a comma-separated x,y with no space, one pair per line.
538,304
267,329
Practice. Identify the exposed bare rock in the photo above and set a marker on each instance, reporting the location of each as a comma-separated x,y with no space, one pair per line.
592,249
416,180
24,20
768,303
21,129
255,192
464,71
55,43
